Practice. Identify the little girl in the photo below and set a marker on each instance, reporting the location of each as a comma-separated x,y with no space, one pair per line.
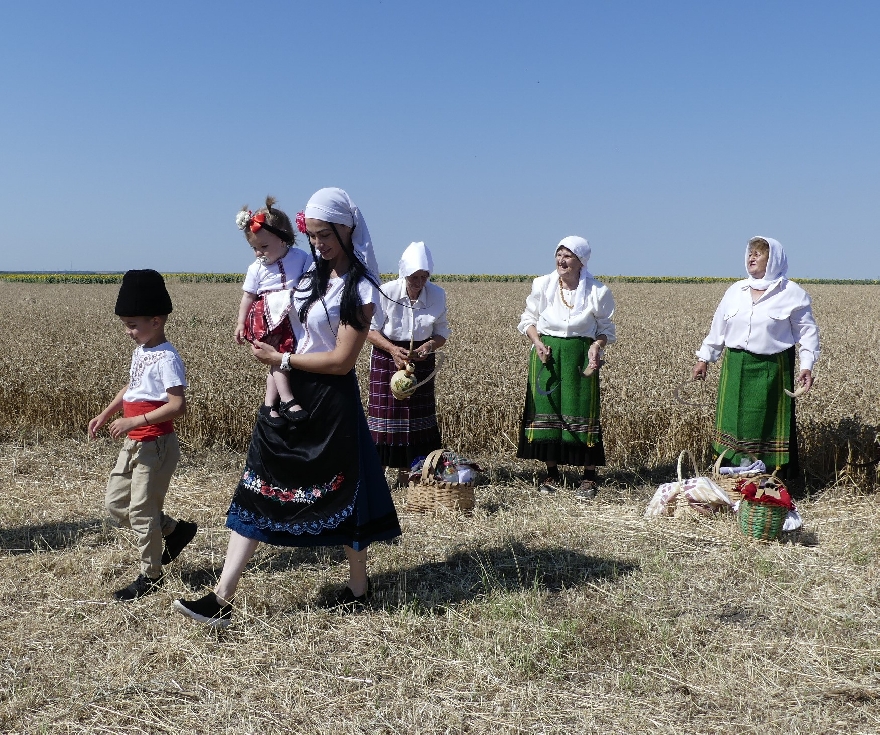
266,302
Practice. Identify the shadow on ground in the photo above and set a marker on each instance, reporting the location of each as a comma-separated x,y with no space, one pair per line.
432,586
47,536
267,559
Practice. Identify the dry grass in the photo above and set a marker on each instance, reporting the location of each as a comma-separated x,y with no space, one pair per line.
535,614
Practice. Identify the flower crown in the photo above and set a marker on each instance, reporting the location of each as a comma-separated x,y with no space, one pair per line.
301,222
247,220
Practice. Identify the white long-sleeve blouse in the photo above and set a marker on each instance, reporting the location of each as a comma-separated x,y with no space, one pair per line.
781,318
426,318
557,320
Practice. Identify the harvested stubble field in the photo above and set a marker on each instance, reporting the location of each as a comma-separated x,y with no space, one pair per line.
534,614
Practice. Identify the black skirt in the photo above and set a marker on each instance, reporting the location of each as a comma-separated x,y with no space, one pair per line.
319,482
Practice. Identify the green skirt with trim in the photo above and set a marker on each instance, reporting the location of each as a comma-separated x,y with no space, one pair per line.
561,416
754,416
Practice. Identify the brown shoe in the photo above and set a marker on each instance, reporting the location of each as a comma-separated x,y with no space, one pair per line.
586,491
549,487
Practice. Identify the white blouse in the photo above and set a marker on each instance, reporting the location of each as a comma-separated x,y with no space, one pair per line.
425,319
782,317
262,278
557,320
318,334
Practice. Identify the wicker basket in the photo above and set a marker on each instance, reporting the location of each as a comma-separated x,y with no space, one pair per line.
731,483
685,507
762,521
429,495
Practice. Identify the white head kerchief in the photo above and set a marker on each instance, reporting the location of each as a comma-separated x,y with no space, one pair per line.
581,248
334,205
777,264
416,257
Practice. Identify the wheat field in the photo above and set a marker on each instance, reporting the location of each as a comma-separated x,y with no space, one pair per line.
63,368
534,614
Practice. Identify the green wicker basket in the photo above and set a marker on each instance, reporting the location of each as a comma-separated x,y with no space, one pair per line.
762,521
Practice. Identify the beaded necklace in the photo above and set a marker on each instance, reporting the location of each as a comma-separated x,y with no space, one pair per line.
562,296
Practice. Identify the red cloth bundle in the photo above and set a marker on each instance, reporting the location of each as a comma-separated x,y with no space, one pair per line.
768,492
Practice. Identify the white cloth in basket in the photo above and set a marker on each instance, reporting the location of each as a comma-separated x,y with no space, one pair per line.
755,468
700,492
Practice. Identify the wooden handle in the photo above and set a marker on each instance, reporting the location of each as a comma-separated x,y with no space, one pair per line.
431,463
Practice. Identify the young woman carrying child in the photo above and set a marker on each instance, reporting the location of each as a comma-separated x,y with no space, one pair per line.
323,486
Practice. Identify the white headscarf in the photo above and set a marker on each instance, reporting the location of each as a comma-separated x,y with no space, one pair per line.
416,257
581,248
777,264
334,205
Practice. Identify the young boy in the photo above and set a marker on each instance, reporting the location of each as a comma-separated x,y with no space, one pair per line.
150,402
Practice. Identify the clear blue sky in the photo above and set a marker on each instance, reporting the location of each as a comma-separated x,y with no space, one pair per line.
667,133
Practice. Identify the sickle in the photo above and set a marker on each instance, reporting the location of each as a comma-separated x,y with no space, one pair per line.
677,394
798,392
538,389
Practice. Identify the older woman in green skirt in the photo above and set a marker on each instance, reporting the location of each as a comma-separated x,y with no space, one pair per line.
757,324
568,319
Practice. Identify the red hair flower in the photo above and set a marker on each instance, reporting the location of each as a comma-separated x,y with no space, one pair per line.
257,221
301,222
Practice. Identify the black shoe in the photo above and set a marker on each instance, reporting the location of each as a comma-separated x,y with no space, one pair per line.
143,585
176,541
208,610
285,409
348,600
265,415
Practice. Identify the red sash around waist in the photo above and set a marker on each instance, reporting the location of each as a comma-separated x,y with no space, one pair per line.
147,432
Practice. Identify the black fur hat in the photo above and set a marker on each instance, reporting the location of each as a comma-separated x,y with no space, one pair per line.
143,293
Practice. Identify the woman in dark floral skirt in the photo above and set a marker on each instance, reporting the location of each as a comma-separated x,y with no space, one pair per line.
320,482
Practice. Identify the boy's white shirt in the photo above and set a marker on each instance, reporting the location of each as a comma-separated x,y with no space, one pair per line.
153,371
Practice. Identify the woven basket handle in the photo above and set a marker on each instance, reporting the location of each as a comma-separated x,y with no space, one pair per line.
721,459
431,464
681,458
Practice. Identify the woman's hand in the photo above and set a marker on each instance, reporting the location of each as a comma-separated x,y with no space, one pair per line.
805,378
543,352
266,354
700,370
400,355
423,351
542,349
239,334
595,355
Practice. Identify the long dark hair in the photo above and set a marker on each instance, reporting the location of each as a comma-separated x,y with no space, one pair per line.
351,306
